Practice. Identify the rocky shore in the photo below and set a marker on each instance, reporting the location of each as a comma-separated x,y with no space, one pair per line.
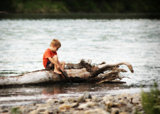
85,104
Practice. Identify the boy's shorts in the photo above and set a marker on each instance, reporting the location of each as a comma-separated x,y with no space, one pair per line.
49,65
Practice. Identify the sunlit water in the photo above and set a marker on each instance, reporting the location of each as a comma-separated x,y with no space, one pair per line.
23,42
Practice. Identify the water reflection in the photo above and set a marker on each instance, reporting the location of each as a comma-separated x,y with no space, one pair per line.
53,89
33,94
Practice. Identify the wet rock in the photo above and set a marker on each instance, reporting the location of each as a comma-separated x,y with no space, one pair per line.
80,99
33,112
96,99
40,110
64,107
50,110
91,104
50,101
86,105
54,110
136,100
83,97
87,96
109,104
102,106
61,102
107,98
129,105
115,111
122,103
134,110
124,113
64,100
41,105
31,108
24,110
119,98
96,111
74,105
4,110
116,104
72,100
87,100
83,106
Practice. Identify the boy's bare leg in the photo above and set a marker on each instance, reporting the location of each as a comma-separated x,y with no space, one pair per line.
63,65
56,70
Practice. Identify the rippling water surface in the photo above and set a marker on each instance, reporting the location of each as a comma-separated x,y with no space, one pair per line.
23,42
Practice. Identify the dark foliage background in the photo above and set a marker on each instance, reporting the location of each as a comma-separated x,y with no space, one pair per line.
80,6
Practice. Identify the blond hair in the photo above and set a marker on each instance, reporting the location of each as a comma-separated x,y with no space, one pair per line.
56,43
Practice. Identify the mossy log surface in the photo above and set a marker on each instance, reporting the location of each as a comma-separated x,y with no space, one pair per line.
81,72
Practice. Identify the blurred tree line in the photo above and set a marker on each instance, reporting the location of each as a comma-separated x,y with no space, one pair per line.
80,6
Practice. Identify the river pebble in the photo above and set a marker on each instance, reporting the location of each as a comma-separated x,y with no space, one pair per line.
85,104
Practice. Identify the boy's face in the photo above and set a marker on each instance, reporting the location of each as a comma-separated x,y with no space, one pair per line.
54,48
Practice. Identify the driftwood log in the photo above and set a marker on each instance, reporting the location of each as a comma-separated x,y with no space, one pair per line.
81,72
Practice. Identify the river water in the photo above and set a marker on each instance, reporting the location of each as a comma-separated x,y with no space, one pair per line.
23,42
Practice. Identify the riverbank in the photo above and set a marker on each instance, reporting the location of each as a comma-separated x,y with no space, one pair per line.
85,104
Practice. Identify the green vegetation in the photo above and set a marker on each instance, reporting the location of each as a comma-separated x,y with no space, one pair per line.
15,110
151,101
80,6
39,6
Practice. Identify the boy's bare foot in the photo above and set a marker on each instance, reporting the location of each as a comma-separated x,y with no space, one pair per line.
58,72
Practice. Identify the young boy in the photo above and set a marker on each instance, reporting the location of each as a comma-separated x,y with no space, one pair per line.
50,58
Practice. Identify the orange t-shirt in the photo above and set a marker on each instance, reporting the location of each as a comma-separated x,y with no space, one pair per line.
48,53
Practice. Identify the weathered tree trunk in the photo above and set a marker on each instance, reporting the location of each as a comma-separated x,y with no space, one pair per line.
81,72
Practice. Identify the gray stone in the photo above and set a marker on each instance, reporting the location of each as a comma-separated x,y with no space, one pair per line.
96,111
50,101
96,99
55,111
72,100
61,102
83,97
31,108
115,111
50,110
41,109
87,95
5,111
74,105
124,113
33,112
64,107
86,105
80,99
129,105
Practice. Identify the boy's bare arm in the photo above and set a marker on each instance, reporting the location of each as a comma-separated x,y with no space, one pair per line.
53,61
